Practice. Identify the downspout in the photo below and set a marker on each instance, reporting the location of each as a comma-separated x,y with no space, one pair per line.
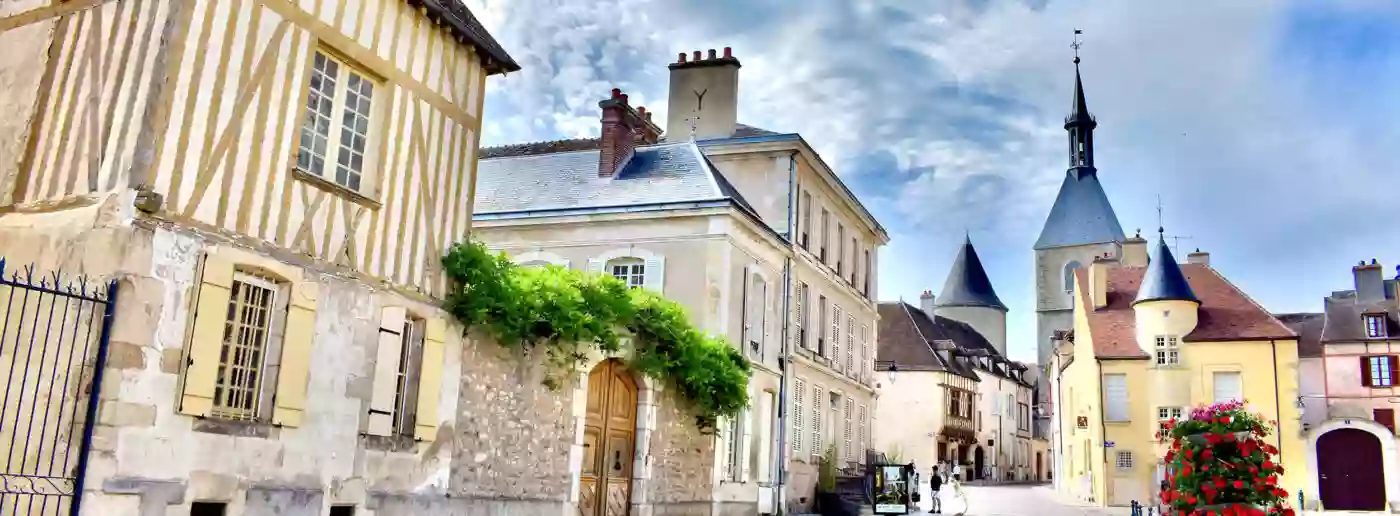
1278,406
1059,431
1103,440
780,417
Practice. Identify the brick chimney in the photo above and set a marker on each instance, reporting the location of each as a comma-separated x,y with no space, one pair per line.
1370,281
704,87
926,302
1198,256
624,128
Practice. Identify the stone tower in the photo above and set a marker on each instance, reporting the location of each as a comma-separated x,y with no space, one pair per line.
968,296
1080,228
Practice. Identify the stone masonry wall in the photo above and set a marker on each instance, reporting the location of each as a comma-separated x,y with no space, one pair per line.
683,462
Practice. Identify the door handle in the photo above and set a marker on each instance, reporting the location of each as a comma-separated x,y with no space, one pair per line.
617,461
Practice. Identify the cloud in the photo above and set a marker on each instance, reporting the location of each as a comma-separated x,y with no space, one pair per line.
1267,127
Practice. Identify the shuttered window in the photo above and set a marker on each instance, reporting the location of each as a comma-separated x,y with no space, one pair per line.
835,355
755,313
863,432
848,430
398,372
1227,386
252,306
818,404
1379,371
1115,393
799,394
850,345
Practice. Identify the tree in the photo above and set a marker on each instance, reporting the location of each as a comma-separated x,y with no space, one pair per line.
1222,466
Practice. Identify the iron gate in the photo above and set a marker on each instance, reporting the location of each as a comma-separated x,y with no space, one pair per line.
53,340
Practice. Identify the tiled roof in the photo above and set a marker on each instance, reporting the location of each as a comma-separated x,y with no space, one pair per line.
967,283
1308,326
655,174
1343,316
464,25
1225,312
577,144
1081,214
906,335
1163,280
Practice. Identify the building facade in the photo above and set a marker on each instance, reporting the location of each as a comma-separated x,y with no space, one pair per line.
271,184
746,228
1349,392
950,354
1150,341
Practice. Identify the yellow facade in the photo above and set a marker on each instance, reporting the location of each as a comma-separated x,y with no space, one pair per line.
1092,467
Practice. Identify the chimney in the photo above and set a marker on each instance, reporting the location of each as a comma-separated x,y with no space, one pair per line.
1098,283
624,129
1370,281
704,92
1199,256
1135,251
926,302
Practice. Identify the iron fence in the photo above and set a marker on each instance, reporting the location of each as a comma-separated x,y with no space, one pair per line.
53,342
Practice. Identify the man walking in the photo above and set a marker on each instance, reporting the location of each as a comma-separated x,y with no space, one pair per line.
935,482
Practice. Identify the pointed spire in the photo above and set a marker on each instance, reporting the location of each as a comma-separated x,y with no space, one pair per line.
967,283
1079,113
1163,280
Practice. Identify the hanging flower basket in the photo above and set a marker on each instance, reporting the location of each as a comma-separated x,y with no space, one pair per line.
1222,464
1204,438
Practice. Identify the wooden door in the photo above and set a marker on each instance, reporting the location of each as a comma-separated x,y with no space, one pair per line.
609,439
1350,472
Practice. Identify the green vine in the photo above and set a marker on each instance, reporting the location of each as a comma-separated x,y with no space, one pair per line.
566,313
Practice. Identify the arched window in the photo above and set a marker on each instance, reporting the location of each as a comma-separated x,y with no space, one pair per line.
1069,275
631,271
639,268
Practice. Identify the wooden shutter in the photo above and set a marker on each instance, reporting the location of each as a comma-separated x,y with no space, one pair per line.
430,379
386,370
595,266
207,336
799,393
744,321
655,278
296,355
1365,372
745,444
1386,417
724,443
1394,369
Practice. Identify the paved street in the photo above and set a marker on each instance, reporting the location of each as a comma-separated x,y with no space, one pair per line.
1015,500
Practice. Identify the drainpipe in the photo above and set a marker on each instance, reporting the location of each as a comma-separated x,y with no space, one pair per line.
785,355
1278,406
1103,443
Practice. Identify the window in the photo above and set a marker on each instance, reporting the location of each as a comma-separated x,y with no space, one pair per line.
850,344
1023,417
1168,352
253,304
756,313
821,238
1125,460
1384,416
630,270
1010,405
835,336
821,325
862,433
855,264
817,399
865,362
1375,326
800,319
848,441
734,440
806,209
841,247
1115,393
799,392
338,109
1069,275
1378,371
1227,386
208,508
865,289
1164,416
406,377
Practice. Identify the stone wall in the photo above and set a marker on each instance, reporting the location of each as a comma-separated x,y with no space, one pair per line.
683,461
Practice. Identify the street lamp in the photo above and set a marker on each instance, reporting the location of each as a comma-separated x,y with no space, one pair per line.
893,369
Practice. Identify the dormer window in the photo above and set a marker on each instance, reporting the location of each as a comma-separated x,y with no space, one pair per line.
1375,326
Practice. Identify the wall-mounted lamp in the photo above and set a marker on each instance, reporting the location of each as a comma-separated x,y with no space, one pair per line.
893,369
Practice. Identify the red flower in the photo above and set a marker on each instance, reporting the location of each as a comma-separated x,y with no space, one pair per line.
1219,482
1270,449
1283,493
1229,437
1212,439
1205,455
1254,470
1225,419
1268,465
1191,499
1278,469
1239,484
1288,512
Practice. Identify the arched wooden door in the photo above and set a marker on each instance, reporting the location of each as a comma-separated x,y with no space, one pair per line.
609,439
977,462
1350,471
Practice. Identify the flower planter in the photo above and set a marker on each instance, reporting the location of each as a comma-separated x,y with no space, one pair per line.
1219,508
1200,439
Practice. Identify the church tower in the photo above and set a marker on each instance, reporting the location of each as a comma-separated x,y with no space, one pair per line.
1081,227
968,296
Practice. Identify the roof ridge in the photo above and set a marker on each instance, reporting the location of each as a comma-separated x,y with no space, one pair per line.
1246,296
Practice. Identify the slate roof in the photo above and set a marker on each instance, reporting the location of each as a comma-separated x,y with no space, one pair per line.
1308,326
1225,312
906,335
1163,280
1079,111
1343,315
654,175
967,283
1081,214
576,144
463,24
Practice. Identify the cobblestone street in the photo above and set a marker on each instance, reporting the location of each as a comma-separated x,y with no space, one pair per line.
1014,500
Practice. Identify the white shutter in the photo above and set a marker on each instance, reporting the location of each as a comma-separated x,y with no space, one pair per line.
863,425
835,338
745,322
595,266
847,435
726,439
1227,386
818,405
1115,393
746,445
850,344
799,393
655,274
386,371
762,318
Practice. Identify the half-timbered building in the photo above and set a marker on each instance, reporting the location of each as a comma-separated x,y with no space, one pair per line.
272,184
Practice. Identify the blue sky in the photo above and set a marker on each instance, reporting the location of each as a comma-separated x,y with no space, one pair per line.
1270,129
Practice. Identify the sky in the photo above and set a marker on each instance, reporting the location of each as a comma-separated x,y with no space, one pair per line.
1270,130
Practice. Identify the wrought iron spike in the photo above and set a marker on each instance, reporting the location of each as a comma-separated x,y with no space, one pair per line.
29,273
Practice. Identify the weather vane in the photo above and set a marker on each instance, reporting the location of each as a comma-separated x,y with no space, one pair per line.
1076,44
1160,228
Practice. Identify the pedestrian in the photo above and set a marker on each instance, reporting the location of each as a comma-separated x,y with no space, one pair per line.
935,482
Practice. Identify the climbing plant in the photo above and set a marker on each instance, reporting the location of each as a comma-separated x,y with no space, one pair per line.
1222,466
567,313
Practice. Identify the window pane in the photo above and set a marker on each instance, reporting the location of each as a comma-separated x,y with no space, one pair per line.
241,355
354,130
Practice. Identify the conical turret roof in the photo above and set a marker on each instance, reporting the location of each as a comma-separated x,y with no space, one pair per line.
1163,280
967,283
